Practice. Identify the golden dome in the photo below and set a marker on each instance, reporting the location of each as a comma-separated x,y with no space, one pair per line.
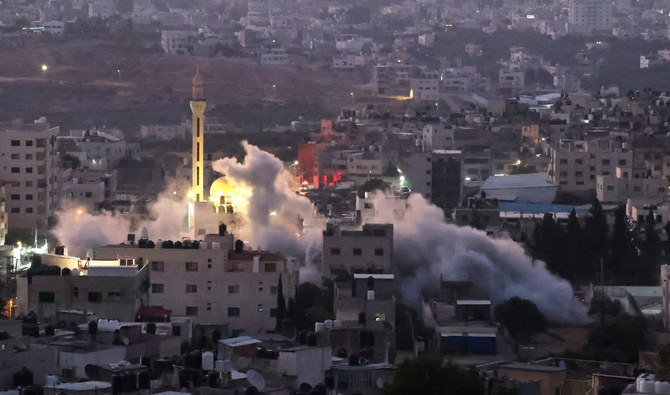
220,187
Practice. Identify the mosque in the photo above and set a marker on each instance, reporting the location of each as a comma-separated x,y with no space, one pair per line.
207,212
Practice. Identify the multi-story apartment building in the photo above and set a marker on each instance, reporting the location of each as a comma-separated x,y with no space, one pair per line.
28,160
437,176
631,183
3,215
349,251
576,163
589,16
214,284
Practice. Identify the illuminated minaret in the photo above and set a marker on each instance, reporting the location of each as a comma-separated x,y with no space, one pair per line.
198,104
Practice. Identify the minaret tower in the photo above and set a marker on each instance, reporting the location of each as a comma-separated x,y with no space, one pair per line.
198,104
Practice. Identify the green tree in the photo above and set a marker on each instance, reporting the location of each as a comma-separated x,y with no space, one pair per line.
595,239
622,249
371,185
548,244
520,317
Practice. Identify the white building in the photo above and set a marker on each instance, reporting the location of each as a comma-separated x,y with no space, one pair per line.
346,251
511,79
214,284
29,161
54,27
175,41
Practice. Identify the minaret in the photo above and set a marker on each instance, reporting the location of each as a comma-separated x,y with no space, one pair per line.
198,105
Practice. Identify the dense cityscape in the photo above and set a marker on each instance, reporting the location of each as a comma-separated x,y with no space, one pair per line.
335,197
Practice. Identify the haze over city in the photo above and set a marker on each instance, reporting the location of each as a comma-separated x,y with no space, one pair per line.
334,197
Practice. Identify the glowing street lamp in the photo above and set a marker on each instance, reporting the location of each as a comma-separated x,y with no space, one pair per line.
45,67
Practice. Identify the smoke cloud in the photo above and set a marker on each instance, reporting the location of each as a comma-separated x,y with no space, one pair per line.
425,246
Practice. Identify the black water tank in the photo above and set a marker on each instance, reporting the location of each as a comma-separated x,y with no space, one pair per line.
151,328
93,328
213,380
144,380
117,384
222,229
239,246
65,271
131,382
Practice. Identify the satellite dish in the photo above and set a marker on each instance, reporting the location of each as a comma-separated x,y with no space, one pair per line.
380,382
254,378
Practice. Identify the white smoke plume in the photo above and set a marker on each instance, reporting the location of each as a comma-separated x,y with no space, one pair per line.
80,231
427,248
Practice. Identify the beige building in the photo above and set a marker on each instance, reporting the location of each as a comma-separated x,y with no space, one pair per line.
552,379
28,160
575,164
349,251
113,289
630,183
214,284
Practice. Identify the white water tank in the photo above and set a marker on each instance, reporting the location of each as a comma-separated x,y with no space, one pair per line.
216,245
319,327
337,324
371,294
51,380
208,360
203,245
647,386
661,387
329,324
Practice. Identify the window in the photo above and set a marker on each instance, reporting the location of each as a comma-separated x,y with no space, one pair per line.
114,296
16,143
357,251
16,169
191,266
260,307
606,162
564,161
233,311
610,187
622,161
579,161
15,210
29,170
29,197
29,210
47,297
380,317
158,266
637,189
29,143
29,156
209,306
191,311
88,194
16,156
579,174
270,267
334,251
563,174
95,297
157,288
233,289
379,251
15,196
191,288
274,289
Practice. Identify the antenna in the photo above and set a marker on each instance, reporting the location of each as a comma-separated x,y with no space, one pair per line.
254,378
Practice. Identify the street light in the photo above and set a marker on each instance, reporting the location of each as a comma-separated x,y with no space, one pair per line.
44,67
352,98
274,89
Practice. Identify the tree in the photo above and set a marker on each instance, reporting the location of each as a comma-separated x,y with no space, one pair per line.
281,305
520,316
595,239
548,244
623,255
431,376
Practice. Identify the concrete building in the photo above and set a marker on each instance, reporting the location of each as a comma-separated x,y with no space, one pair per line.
29,161
589,16
437,176
629,183
214,284
4,219
276,57
349,251
93,188
425,89
551,378
164,132
511,79
576,163
114,288
175,42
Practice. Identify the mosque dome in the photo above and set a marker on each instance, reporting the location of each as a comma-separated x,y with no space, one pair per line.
220,187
